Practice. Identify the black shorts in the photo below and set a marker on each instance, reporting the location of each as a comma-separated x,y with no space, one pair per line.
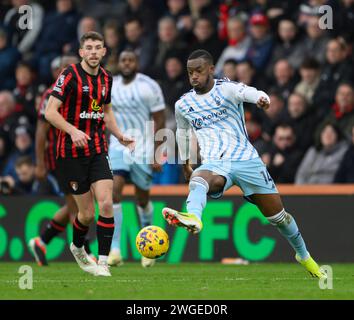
77,174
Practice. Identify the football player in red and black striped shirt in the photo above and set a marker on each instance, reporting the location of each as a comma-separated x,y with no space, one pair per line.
79,106
46,163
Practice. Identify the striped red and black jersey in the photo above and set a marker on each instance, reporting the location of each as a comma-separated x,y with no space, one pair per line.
83,96
50,150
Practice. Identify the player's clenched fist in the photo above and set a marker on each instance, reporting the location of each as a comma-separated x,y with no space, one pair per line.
263,103
79,138
127,141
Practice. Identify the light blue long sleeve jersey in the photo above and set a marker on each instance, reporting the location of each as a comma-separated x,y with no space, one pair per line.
217,119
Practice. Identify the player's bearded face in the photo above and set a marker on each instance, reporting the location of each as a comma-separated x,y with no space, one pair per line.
92,52
128,64
200,73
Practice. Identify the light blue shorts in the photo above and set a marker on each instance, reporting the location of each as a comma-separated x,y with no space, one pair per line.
122,162
251,176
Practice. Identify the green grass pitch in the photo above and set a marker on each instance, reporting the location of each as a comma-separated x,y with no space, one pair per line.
180,281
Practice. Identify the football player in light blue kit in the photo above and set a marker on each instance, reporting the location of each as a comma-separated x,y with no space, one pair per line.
213,109
136,100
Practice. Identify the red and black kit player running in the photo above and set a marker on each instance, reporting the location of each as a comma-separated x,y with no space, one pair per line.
46,164
79,106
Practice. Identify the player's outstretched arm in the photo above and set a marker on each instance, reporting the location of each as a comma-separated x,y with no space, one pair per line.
252,95
112,126
78,137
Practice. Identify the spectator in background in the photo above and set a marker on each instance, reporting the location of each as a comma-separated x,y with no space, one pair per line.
229,70
345,172
274,115
25,91
246,73
168,43
336,70
310,79
142,45
9,56
342,113
206,38
301,118
137,9
238,43
179,11
23,147
284,78
255,134
86,24
287,46
315,41
26,183
173,85
24,38
59,29
113,44
262,41
283,158
321,162
205,8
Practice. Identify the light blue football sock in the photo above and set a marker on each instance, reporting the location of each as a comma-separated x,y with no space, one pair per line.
197,198
287,226
118,219
146,214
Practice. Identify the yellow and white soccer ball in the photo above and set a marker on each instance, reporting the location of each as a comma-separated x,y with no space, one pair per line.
152,242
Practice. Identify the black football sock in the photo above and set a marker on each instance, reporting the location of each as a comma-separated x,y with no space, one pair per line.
79,233
105,229
52,229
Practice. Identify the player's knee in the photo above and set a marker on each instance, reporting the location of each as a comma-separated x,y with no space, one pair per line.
86,218
105,206
217,184
198,181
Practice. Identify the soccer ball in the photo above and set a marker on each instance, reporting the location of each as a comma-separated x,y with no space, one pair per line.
152,242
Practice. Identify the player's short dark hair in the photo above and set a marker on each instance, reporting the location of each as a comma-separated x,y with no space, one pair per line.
129,50
92,35
25,160
201,54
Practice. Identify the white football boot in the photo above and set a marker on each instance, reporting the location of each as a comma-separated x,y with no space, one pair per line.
115,258
84,261
103,269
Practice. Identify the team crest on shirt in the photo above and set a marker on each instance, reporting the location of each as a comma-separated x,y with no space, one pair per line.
217,100
74,185
103,91
60,81
59,84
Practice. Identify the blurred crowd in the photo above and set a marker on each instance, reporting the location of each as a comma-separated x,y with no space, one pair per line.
281,47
